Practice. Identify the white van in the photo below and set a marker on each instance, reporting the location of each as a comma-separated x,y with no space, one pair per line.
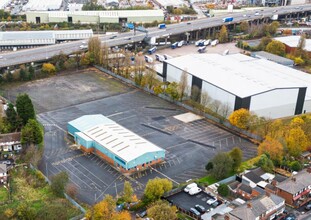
194,190
188,187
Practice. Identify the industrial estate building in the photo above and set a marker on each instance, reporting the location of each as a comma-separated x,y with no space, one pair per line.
239,81
292,42
114,16
114,143
25,39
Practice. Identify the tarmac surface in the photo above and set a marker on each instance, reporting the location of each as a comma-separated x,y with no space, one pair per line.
60,99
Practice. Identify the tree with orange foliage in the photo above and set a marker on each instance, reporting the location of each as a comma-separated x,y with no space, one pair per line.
106,210
272,147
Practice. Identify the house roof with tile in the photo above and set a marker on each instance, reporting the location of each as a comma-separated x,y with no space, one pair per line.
11,138
257,207
234,185
246,188
296,183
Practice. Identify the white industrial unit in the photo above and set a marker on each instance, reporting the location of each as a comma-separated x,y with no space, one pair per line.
238,81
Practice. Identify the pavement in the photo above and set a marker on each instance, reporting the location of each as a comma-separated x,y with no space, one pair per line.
189,146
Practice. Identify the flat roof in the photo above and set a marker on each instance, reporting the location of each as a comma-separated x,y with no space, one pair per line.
114,137
292,41
171,2
273,57
241,75
33,35
108,13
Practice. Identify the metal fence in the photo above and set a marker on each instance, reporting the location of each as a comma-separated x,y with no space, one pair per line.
225,124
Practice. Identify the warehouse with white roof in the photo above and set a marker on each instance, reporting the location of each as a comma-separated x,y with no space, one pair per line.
24,39
114,143
86,17
239,81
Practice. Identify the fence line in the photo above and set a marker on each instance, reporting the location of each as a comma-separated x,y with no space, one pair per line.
225,124
73,202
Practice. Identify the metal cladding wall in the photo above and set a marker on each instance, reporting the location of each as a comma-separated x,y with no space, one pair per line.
276,103
272,104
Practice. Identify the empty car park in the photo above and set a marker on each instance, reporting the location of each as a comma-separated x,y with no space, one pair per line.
188,144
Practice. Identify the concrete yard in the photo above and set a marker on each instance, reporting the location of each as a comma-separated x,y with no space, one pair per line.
63,98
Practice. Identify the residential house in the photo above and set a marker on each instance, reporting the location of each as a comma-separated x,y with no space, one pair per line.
296,189
262,208
10,142
3,174
243,190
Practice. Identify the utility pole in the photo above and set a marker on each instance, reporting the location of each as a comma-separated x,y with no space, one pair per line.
115,184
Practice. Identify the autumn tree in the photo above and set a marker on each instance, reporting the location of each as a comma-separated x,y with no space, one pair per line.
205,100
223,34
71,190
155,188
105,55
48,68
263,43
276,130
106,210
24,108
162,210
236,155
272,147
172,90
240,118
195,94
273,27
95,51
183,84
150,77
139,68
296,141
127,192
276,47
244,26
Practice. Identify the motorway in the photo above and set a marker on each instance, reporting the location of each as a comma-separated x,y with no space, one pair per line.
44,53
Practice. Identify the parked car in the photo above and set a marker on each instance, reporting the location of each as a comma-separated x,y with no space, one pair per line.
200,208
215,204
141,214
113,37
211,201
290,216
194,211
308,207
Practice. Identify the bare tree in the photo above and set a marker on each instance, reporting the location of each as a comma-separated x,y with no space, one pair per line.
195,94
105,55
225,110
150,77
139,68
215,105
183,84
205,100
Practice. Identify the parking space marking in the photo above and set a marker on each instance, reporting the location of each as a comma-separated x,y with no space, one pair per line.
78,171
66,160
108,187
164,175
70,178
90,172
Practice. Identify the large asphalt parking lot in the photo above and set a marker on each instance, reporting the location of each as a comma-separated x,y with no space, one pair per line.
63,98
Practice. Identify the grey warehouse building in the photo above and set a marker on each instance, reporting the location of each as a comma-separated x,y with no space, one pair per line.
87,17
25,39
239,81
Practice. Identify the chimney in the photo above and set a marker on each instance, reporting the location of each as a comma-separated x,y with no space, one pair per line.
294,179
273,183
267,194
249,205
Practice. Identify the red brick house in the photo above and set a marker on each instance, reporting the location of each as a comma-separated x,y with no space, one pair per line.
291,43
296,190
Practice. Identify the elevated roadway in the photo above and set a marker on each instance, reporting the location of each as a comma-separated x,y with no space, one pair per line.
44,53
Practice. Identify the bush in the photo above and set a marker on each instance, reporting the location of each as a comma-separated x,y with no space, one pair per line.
223,190
295,165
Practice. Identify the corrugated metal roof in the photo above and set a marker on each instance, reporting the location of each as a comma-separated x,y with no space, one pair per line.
292,41
89,121
114,137
274,58
23,35
121,141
